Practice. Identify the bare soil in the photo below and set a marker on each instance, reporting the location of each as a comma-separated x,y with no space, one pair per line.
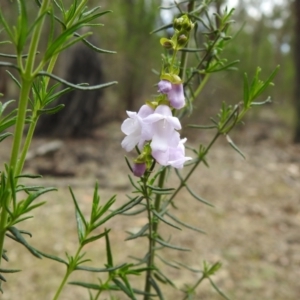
253,228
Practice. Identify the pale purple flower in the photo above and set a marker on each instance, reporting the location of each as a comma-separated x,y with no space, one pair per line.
174,92
176,96
139,169
136,130
164,86
163,128
173,156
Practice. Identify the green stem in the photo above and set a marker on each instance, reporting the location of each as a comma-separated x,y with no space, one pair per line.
5,201
26,79
201,85
184,55
26,146
195,286
62,284
23,101
71,267
3,224
150,261
153,233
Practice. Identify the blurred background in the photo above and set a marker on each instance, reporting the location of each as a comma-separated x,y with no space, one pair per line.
254,227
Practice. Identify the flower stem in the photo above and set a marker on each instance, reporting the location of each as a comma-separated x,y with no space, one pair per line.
153,228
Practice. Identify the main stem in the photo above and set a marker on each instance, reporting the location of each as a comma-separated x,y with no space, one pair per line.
153,227
5,201
26,80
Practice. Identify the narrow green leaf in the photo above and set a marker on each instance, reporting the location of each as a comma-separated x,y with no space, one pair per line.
76,86
134,185
55,96
128,163
128,286
164,278
4,256
139,233
53,257
95,205
50,111
138,211
9,271
22,25
17,236
184,224
91,286
234,146
267,83
99,270
217,289
188,268
2,278
156,288
122,287
106,207
167,262
34,196
77,209
93,47
162,28
9,65
108,251
163,243
3,136
246,90
37,21
156,188
71,43
164,220
118,211
16,81
129,205
31,176
80,227
202,126
7,27
94,238
268,100
160,191
192,50
198,197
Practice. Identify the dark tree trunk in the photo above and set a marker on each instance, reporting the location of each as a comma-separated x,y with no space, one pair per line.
297,67
82,108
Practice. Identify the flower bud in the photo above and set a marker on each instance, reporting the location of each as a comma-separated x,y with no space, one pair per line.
166,43
183,23
139,169
182,40
164,86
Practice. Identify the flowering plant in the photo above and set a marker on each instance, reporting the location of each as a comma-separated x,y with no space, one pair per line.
153,131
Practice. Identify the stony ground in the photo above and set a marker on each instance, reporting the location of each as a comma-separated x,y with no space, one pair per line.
253,228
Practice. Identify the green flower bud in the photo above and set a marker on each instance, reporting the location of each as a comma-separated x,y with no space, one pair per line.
183,23
182,40
166,43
